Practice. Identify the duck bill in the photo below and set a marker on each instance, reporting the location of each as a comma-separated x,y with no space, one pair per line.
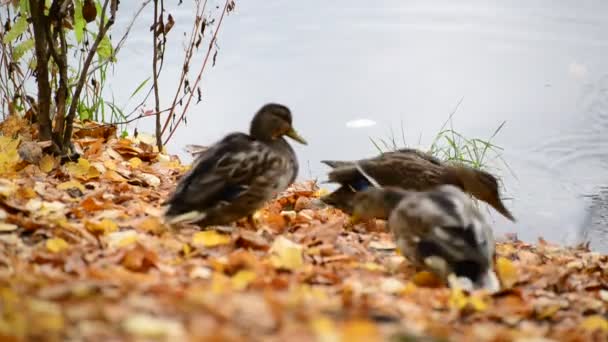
295,136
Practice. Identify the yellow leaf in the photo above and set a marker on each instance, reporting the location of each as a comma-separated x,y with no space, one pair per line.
506,272
48,315
56,245
320,193
219,283
360,330
114,176
109,164
47,163
286,254
408,289
210,238
9,157
70,185
325,329
242,279
122,239
426,279
186,249
83,169
135,162
595,322
103,227
459,300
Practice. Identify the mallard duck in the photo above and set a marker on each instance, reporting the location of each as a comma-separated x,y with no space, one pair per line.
237,175
439,230
411,169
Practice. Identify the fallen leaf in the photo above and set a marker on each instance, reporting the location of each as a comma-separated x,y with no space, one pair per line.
242,279
151,224
72,184
360,330
9,157
427,279
325,329
7,227
82,169
594,323
147,326
47,163
210,238
105,226
139,258
506,272
122,239
286,254
56,245
135,162
460,300
48,315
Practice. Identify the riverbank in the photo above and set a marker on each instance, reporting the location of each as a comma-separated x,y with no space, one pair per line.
84,256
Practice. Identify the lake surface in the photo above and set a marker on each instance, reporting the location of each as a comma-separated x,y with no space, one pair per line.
541,66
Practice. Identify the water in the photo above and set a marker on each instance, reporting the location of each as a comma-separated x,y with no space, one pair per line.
540,65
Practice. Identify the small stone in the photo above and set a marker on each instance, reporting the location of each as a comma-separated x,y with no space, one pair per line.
30,152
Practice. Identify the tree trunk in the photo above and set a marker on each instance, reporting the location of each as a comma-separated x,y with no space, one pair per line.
42,69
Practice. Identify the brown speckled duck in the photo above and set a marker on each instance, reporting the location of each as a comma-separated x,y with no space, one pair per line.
239,174
439,230
410,169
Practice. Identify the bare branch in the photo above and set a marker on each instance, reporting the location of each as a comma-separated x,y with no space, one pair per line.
103,29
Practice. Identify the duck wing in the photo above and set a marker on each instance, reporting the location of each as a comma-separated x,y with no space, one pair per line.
409,169
424,155
220,174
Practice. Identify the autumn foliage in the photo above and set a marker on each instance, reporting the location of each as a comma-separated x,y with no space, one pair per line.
84,255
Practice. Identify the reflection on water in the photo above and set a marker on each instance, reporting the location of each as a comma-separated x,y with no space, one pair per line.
340,65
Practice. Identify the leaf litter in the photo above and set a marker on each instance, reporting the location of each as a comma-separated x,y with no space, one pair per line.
85,255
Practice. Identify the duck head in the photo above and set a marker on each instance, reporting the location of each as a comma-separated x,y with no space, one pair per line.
272,122
482,185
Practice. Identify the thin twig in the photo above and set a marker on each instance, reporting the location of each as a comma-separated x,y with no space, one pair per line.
200,74
103,29
155,33
187,58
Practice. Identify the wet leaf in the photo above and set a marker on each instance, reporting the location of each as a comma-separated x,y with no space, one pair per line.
210,238
286,254
56,245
